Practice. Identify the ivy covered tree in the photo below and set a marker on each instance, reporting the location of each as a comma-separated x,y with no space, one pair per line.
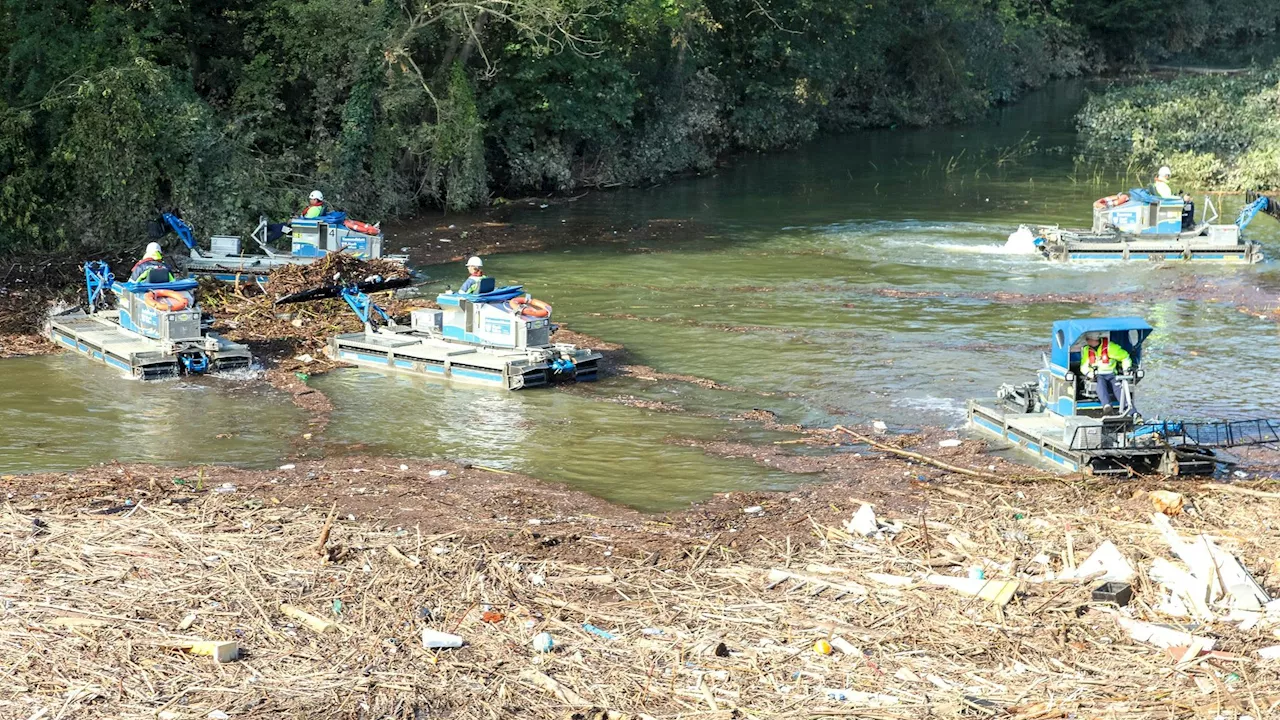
231,109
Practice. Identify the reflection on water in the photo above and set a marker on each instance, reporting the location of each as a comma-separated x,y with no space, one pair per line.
64,412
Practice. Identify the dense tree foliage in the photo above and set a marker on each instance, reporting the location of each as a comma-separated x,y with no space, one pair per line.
228,109
1214,132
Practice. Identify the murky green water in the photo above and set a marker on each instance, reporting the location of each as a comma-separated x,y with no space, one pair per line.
785,279
622,453
780,283
64,412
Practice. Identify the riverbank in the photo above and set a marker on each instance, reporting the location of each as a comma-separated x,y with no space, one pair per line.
712,611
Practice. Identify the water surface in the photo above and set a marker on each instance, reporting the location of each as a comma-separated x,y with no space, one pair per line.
858,278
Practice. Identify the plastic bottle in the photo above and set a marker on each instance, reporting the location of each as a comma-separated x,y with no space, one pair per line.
543,642
436,639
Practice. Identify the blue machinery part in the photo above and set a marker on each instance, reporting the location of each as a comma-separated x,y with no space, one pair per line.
362,304
1248,212
183,230
562,366
97,278
195,364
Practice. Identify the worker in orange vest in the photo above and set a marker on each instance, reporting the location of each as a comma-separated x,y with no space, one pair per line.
1098,359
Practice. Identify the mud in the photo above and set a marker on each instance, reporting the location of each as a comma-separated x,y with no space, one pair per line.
551,519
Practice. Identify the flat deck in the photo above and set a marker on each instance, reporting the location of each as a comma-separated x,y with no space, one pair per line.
101,339
1040,434
98,337
1043,435
417,354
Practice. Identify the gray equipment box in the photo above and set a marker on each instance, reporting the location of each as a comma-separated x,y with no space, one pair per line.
161,324
224,245
426,320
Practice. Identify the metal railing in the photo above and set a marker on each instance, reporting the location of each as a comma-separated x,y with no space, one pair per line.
1100,437
1234,433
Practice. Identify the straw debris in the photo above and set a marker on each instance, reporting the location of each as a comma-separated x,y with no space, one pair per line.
103,609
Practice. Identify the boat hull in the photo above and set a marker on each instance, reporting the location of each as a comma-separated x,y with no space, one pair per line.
415,354
100,338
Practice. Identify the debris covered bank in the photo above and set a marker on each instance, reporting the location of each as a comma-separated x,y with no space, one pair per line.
139,591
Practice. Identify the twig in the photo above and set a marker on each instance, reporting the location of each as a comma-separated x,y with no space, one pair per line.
324,531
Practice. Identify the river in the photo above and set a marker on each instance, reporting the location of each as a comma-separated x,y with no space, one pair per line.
859,278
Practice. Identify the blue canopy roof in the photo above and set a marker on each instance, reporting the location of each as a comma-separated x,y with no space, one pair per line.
184,285
452,299
1128,332
334,217
501,294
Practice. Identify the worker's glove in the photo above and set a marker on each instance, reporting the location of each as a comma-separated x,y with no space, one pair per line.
1089,375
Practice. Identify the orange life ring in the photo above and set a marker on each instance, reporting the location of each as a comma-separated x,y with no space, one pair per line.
531,306
168,300
1111,201
360,227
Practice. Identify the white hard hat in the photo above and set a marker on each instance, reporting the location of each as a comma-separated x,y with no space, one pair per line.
1092,336
475,262
317,195
152,249
1164,172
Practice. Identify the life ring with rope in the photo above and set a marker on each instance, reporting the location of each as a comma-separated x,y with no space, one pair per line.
167,300
361,227
1111,201
530,307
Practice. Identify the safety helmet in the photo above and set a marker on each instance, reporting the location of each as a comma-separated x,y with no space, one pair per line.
317,195
475,262
153,251
1091,336
1164,172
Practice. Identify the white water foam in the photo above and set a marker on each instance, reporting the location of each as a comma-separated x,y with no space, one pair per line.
943,406
1021,242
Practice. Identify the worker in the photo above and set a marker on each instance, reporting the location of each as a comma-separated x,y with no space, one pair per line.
1098,360
315,207
1162,183
151,268
475,270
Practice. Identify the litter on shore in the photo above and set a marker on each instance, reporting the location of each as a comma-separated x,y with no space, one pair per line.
976,605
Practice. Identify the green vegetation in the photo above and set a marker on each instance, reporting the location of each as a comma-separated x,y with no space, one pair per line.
1215,133
227,109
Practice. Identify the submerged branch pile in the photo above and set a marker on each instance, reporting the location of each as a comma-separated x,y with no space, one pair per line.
120,610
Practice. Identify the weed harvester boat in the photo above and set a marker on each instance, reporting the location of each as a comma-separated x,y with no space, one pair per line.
1059,420
1140,226
155,331
498,337
312,240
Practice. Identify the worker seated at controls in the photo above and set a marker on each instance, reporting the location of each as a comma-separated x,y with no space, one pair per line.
1161,184
315,208
151,268
477,282
1098,359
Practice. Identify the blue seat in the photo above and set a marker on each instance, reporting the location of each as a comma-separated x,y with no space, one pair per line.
487,285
